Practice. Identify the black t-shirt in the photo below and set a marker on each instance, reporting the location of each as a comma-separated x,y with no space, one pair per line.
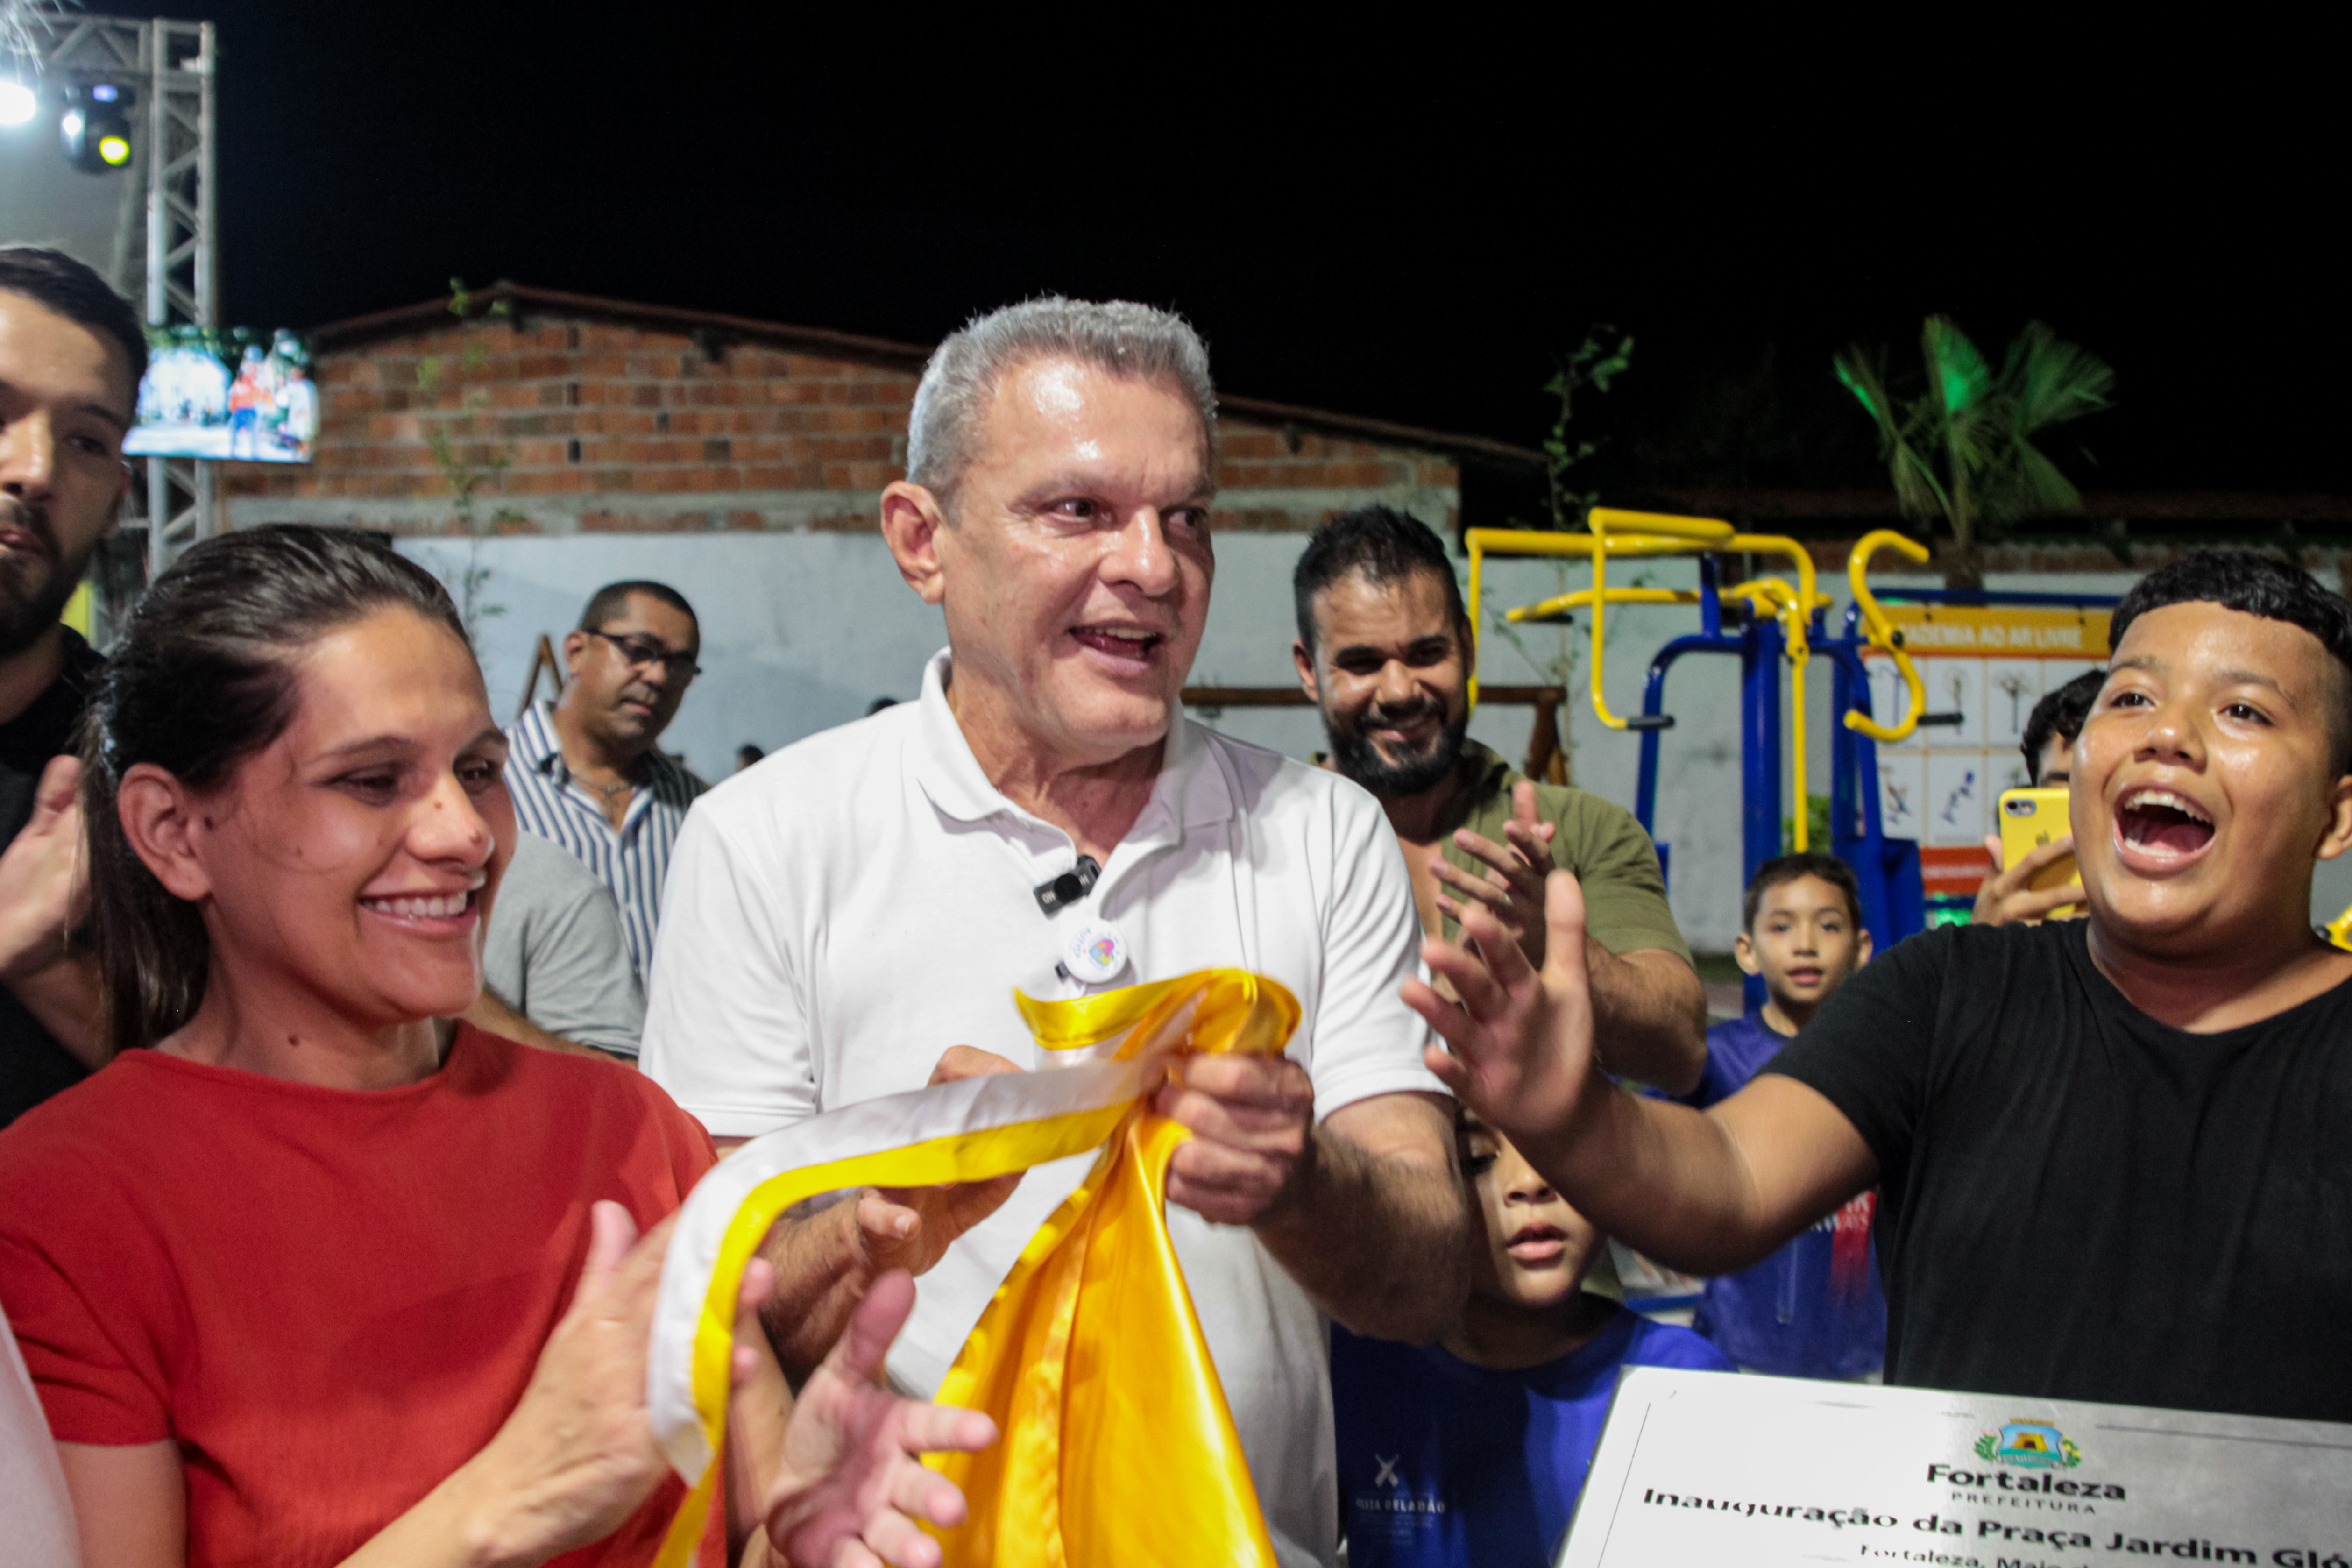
33,1066
2082,1203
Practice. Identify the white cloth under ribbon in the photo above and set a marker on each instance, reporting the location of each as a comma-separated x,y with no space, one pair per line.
920,1138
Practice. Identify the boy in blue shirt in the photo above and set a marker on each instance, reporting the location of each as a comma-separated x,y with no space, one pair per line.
1814,1308
1472,1451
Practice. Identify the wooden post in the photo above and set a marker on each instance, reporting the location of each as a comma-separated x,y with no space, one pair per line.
1547,758
542,657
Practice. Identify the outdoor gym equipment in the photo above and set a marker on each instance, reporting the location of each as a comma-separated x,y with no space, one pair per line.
1766,621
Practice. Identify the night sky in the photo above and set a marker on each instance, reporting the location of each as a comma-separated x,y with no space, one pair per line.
1404,225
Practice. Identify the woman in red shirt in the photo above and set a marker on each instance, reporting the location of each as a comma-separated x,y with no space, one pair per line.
310,1275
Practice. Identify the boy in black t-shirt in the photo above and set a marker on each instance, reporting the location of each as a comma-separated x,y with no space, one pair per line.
2115,1154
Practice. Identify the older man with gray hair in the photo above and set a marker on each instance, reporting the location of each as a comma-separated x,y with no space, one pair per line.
1044,818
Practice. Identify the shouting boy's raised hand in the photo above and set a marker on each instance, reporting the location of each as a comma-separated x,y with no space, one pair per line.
1520,1041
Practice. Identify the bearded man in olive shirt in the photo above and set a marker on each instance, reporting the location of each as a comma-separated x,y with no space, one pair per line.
1384,649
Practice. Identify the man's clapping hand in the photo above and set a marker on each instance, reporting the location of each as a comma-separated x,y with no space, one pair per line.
44,897
1512,889
44,879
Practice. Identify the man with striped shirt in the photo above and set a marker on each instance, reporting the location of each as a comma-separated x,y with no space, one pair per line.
583,769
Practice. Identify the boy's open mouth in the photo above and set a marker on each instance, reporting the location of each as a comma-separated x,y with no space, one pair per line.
2162,826
1536,1242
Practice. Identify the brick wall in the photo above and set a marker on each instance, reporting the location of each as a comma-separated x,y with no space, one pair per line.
603,427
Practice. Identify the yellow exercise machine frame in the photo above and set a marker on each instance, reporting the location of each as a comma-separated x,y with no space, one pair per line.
1635,534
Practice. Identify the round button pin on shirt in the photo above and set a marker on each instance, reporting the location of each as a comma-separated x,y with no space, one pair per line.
1096,952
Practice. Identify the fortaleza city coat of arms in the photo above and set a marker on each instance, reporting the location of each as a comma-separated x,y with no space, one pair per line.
2030,1446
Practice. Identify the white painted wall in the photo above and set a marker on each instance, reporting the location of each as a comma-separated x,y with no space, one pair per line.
801,630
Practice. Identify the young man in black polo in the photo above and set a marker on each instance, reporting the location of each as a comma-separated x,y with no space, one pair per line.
2113,1153
71,353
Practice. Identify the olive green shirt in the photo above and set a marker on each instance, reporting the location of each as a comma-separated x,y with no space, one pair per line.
1599,841
1614,863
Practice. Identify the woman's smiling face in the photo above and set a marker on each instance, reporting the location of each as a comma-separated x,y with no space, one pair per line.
352,860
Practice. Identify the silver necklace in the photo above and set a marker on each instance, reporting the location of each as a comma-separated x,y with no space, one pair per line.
608,791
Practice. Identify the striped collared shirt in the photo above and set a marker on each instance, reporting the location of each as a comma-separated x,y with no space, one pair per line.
634,861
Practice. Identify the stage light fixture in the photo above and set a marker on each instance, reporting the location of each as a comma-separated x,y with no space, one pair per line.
94,132
18,102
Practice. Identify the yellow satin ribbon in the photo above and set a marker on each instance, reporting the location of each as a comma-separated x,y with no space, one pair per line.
1117,1446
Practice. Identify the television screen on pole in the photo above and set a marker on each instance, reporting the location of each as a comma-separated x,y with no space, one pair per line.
231,395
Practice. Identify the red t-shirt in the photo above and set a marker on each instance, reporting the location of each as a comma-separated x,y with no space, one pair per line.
328,1299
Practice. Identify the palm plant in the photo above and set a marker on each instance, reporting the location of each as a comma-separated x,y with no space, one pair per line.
1964,449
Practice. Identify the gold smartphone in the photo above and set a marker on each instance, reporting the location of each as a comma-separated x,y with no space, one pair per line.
2028,819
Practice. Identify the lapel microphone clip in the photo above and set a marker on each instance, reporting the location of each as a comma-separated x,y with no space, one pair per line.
1069,886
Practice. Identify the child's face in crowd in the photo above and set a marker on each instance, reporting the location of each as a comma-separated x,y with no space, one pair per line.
2209,779
351,861
1805,943
1538,1249
2057,762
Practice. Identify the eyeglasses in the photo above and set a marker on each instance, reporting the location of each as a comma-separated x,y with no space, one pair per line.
640,651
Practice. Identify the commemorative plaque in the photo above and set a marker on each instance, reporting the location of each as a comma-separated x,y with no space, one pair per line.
1716,1467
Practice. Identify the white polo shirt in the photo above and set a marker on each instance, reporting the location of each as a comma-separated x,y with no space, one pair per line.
841,913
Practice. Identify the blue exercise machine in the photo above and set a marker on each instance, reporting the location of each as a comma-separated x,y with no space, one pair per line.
1765,623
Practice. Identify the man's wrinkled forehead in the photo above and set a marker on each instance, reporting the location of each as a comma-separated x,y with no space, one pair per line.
1058,386
1060,409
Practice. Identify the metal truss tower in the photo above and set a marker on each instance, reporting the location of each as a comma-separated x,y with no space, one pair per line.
173,158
